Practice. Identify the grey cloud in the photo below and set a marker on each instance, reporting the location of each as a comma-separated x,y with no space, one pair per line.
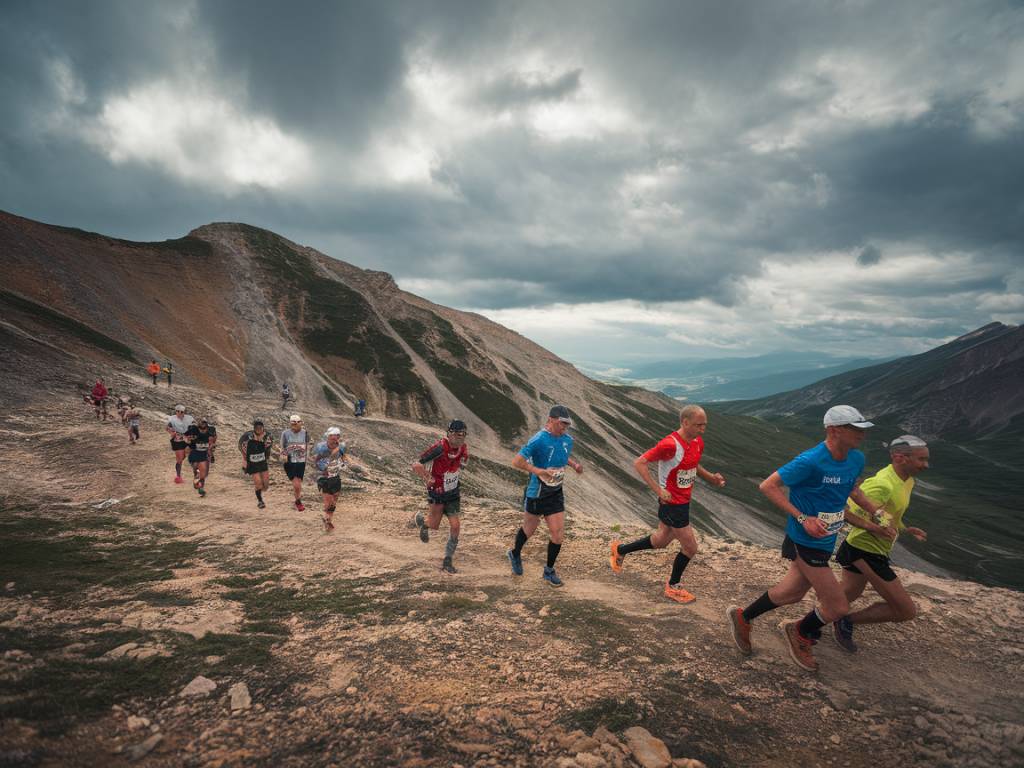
514,90
869,255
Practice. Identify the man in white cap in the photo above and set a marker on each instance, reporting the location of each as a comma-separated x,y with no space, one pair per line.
331,459
820,481
865,553
294,447
177,426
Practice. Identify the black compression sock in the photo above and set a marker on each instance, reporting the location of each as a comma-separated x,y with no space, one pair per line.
636,546
553,550
677,568
259,495
177,469
520,541
763,604
811,624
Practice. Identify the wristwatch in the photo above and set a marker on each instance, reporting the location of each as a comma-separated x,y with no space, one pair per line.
800,518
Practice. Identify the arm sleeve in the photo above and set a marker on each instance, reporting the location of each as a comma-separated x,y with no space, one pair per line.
431,453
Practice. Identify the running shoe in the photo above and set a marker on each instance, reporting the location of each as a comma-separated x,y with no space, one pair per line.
799,646
551,577
202,491
195,482
516,561
842,630
616,559
677,593
740,629
261,505
447,566
424,534
328,523
299,506
178,480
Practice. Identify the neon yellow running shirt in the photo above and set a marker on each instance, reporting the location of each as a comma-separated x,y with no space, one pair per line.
885,488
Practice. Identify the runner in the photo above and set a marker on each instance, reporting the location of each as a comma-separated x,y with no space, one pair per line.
819,480
169,370
153,369
329,455
678,462
286,395
133,419
99,396
545,457
177,426
202,438
295,446
865,553
124,402
255,449
446,458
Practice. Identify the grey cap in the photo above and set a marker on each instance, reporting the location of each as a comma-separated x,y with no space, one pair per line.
845,415
561,413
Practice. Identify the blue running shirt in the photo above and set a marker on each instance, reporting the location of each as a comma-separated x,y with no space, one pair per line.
545,451
819,487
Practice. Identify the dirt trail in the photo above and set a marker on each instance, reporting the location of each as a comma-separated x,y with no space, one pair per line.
376,657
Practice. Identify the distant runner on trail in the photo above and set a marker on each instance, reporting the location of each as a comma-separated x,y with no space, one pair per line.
99,396
255,448
446,458
124,402
545,458
294,447
133,419
865,553
201,439
329,455
677,458
286,395
153,369
177,426
819,480
169,370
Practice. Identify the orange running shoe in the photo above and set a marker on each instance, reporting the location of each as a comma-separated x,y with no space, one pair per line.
740,629
616,558
799,646
678,594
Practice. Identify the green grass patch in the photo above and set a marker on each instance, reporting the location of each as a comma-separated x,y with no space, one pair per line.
614,714
319,600
522,383
66,326
332,398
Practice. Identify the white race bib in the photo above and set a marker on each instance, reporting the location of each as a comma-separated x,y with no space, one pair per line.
451,481
256,457
833,521
685,477
557,477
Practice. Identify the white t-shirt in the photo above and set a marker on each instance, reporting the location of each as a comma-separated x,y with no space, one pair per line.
180,425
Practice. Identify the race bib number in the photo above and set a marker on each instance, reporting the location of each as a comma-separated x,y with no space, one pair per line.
334,467
685,477
451,481
557,478
257,457
832,521
297,454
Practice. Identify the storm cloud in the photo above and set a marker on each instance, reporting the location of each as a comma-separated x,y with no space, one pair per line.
618,183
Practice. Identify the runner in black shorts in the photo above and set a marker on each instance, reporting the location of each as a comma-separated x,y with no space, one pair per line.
177,426
133,419
446,458
820,481
255,447
545,458
201,440
294,447
677,459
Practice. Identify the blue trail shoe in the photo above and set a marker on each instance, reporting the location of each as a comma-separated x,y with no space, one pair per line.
516,561
843,632
551,577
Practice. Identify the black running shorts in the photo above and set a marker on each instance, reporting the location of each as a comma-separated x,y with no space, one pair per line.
450,504
295,470
178,445
674,515
880,564
255,467
331,485
818,558
198,457
542,506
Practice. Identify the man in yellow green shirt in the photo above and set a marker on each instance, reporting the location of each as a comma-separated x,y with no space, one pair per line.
865,553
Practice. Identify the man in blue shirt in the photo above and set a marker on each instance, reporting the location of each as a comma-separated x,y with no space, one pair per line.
545,458
820,481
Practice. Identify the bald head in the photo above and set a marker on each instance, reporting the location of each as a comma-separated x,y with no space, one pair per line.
692,421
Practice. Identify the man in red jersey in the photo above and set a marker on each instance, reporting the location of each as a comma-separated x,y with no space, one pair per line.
446,458
677,458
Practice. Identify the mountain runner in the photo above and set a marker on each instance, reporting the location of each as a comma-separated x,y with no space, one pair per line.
153,369
294,447
286,395
124,402
678,462
329,455
201,439
446,458
99,396
865,553
133,419
255,447
177,426
819,480
169,370
545,458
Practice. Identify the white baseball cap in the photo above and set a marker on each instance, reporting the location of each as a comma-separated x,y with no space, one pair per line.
295,418
845,415
334,431
179,408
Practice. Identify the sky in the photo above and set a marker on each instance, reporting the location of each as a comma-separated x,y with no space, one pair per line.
620,182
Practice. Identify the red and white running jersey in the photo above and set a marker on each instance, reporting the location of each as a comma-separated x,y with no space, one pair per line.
677,463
